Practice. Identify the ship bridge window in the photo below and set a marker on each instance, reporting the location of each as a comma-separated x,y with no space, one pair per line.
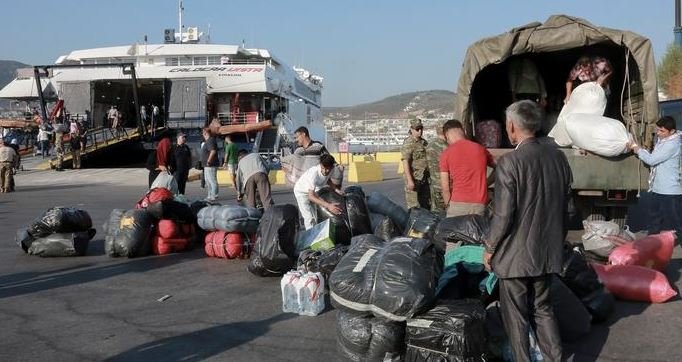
200,60
171,62
214,60
185,60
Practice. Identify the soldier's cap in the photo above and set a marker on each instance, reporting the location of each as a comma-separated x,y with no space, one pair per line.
416,123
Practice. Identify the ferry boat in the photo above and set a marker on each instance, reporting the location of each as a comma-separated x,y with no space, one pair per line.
254,95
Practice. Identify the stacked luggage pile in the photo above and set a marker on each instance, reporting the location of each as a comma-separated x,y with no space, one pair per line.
407,284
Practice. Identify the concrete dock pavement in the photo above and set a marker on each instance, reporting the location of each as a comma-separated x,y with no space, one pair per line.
100,308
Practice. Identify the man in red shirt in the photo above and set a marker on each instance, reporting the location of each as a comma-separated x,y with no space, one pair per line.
463,172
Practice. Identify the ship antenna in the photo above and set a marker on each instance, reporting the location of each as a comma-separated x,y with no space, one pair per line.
180,10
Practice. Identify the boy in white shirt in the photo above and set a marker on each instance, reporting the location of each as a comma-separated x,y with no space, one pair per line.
306,186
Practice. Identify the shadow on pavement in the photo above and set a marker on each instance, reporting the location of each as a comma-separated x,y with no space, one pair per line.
589,348
202,344
48,280
53,187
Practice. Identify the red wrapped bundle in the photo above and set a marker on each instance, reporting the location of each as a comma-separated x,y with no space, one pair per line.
635,283
653,251
172,230
226,245
163,246
154,195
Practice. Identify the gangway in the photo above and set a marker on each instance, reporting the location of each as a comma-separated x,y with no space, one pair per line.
98,140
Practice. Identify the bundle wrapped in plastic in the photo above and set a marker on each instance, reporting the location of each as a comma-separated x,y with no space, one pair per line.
380,204
60,220
386,229
583,281
452,331
358,213
598,237
274,251
600,135
652,251
341,225
362,337
132,236
394,280
636,283
587,98
295,166
466,229
62,244
421,223
321,261
229,218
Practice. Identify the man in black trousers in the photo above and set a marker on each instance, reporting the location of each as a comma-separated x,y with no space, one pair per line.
527,232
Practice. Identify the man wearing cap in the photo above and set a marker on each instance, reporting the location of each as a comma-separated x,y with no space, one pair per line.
413,152
433,152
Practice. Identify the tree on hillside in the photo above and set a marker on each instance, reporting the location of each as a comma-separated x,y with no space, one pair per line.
670,72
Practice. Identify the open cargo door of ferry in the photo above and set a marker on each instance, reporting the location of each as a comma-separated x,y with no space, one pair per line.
187,103
77,97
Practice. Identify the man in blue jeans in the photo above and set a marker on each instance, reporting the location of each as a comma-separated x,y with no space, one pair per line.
209,159
665,185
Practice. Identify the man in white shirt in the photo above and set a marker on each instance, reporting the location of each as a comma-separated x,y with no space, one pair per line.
306,186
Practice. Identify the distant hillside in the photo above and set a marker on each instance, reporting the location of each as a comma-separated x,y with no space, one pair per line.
7,74
8,69
424,103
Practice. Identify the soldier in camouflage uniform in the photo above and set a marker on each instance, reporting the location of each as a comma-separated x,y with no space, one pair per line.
413,153
433,152
59,146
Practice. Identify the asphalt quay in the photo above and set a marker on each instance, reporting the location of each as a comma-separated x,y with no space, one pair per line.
100,308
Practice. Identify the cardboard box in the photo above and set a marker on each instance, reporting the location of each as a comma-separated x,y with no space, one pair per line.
319,237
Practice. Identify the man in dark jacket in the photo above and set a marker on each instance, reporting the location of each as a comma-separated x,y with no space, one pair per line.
183,162
527,232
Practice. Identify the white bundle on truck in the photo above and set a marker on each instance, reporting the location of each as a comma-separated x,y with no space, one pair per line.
587,98
600,135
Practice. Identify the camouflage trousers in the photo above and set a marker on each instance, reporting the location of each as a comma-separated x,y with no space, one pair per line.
420,197
438,206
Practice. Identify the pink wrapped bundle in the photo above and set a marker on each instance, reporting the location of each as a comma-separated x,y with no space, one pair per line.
652,251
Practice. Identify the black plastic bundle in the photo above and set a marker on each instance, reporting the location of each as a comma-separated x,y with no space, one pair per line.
394,280
358,213
62,244
467,229
454,331
275,249
323,261
421,223
132,236
362,337
60,220
582,280
172,210
386,229
342,230
573,319
380,204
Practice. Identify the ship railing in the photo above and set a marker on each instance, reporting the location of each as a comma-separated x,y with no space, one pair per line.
244,62
239,118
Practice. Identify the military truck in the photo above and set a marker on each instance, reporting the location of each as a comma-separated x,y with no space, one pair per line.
603,187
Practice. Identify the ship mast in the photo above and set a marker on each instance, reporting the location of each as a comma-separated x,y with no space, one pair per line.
180,10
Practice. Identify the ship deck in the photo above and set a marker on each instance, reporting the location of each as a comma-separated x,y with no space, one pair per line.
100,308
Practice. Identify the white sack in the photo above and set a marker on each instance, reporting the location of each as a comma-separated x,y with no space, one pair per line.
587,98
601,135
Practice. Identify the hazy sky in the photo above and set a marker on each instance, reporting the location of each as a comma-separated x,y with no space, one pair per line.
365,50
